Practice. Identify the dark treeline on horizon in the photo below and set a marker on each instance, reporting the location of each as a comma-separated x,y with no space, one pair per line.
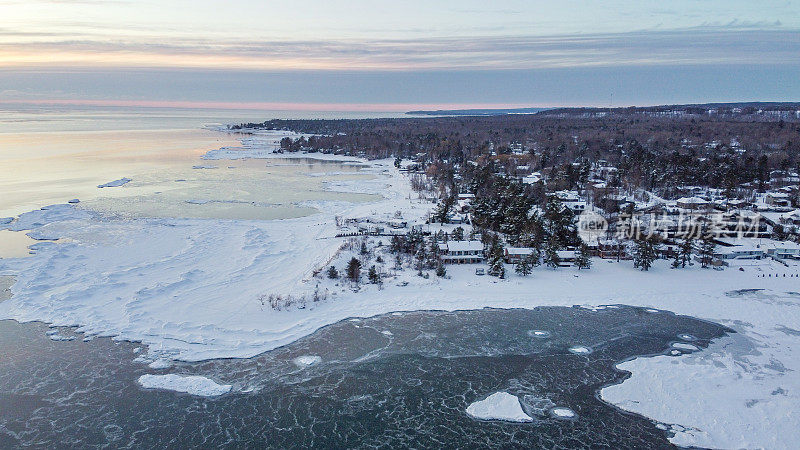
719,145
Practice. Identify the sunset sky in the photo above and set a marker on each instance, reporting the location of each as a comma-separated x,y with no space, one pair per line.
395,55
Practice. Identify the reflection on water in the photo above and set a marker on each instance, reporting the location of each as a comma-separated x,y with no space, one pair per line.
169,177
397,380
14,244
45,168
241,189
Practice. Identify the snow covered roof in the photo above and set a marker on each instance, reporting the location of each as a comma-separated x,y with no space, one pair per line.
692,201
519,251
462,246
778,194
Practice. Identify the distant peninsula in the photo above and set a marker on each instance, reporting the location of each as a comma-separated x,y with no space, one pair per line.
476,112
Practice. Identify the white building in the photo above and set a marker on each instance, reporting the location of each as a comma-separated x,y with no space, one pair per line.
462,252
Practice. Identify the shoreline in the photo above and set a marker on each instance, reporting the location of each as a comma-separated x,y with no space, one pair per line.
188,290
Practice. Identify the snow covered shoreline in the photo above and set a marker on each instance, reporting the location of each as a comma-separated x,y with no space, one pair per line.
189,290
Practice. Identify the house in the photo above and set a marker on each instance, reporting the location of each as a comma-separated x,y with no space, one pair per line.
458,219
746,248
516,254
790,218
693,203
778,199
566,258
462,252
611,249
782,250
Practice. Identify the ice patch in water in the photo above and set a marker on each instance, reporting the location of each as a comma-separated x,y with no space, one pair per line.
561,412
684,346
538,406
686,337
387,333
541,334
306,360
160,364
499,406
580,350
58,337
190,384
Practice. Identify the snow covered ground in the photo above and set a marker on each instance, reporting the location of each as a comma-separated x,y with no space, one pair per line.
193,289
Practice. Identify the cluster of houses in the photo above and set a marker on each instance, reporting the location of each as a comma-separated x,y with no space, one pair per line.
756,227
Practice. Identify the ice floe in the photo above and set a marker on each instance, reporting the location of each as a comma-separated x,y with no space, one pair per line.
684,346
189,384
306,360
541,334
580,350
499,406
561,412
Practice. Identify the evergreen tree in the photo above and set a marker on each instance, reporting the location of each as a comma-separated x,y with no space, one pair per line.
354,270
644,254
685,250
458,234
333,273
397,244
397,161
364,249
373,275
441,271
443,210
535,258
523,267
706,251
496,264
583,259
550,256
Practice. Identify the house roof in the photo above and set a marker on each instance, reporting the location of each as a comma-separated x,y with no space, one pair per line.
462,246
519,251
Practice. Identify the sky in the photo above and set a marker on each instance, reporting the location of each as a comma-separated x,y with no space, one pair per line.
390,55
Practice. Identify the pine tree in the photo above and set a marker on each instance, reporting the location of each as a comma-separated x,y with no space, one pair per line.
523,267
354,270
686,249
534,258
496,264
583,259
706,251
333,273
364,249
373,275
644,254
441,271
458,234
550,257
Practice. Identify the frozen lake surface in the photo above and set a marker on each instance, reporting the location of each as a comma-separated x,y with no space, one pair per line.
396,380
